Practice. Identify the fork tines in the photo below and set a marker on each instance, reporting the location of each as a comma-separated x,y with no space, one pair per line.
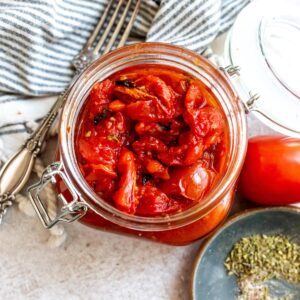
117,21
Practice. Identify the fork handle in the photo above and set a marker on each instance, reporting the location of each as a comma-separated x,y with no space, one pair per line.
16,171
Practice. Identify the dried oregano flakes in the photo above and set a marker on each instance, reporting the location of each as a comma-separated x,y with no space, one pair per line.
257,258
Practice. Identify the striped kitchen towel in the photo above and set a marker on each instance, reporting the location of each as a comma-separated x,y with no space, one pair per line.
39,38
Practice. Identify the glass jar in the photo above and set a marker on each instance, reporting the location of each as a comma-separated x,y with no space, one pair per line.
80,201
264,43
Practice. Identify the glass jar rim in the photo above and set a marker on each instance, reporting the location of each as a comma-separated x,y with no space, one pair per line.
166,54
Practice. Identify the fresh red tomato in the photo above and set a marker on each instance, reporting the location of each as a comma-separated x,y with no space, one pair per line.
271,173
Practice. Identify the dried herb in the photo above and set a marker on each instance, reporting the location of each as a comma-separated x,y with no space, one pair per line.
258,258
113,137
127,83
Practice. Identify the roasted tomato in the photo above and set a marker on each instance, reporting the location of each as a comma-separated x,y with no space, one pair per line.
125,198
190,182
149,140
155,202
166,132
147,148
100,95
271,173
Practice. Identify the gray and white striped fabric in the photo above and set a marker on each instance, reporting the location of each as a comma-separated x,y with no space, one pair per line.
39,38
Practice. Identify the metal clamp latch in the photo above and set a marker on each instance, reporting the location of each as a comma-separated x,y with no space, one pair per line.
69,211
248,98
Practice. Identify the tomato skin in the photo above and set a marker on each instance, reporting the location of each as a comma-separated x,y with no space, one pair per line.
194,98
100,94
159,88
125,198
165,132
271,173
116,106
189,182
155,202
205,121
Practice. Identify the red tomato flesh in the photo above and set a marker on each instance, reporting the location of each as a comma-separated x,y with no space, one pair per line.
151,140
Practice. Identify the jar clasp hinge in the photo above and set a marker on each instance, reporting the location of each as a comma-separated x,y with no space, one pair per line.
69,210
250,98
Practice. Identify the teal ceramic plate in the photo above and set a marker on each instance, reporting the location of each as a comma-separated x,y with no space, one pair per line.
210,279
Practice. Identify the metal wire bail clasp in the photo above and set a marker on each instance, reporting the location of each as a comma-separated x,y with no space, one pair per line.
249,99
69,211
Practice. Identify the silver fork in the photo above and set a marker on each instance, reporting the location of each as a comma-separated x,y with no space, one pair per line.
16,171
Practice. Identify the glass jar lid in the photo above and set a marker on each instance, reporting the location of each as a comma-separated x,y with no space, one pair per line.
265,43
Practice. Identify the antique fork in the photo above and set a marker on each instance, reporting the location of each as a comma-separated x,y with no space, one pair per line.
116,22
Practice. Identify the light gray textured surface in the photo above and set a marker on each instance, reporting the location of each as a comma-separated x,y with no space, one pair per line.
91,264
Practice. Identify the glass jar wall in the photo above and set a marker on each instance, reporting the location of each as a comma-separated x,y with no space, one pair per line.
179,228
